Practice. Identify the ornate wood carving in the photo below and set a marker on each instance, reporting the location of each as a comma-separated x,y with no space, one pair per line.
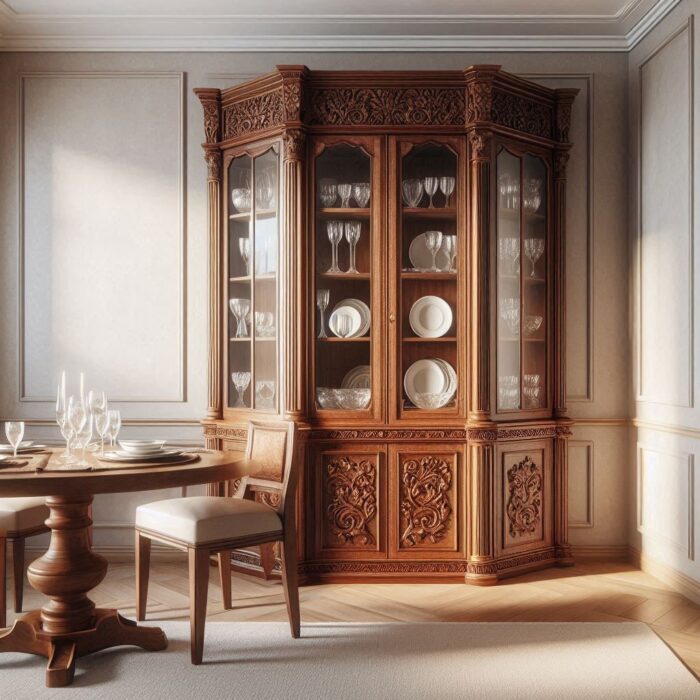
526,433
519,112
506,563
213,158
225,432
561,160
292,100
211,104
253,114
350,489
294,144
386,106
425,500
386,567
524,505
479,101
479,144
269,498
388,434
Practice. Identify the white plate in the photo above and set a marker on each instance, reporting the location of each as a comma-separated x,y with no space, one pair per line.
346,310
119,456
142,449
452,377
362,309
7,449
421,258
430,317
425,377
357,378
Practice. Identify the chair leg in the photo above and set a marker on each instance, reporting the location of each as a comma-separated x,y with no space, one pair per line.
3,583
290,581
225,577
267,559
18,571
143,563
199,583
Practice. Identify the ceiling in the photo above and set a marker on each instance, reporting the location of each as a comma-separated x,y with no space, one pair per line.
325,25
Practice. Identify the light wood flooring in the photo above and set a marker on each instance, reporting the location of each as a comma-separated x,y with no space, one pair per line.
588,592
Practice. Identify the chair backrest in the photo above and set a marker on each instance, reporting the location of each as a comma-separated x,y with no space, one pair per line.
271,451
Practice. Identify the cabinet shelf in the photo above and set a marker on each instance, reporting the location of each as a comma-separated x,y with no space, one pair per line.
418,339
512,339
343,212
259,214
428,213
515,214
349,276
446,276
266,277
335,339
526,279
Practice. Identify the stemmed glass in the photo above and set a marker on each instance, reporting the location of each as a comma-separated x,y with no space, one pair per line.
244,248
14,429
353,230
412,190
430,184
449,245
533,247
77,415
361,192
433,241
240,380
102,427
510,313
345,192
240,308
447,186
509,250
114,424
323,296
328,191
61,418
343,325
334,230
84,435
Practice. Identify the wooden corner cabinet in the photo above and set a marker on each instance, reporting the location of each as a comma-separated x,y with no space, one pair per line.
387,270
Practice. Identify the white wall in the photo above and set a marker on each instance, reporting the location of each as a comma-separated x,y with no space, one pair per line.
107,149
665,443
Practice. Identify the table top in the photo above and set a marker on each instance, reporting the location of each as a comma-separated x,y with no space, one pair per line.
210,467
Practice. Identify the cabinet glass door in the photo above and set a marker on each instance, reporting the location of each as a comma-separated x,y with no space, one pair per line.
253,244
521,222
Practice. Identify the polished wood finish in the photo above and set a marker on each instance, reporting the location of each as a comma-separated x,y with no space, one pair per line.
69,625
357,492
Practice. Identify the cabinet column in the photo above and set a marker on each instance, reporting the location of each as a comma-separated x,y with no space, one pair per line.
561,486
294,284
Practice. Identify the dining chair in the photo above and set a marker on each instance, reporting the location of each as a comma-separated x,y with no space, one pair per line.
19,518
206,525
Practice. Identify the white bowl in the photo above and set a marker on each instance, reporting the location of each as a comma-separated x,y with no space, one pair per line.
141,447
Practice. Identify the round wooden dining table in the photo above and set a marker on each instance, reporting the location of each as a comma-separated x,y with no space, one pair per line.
69,625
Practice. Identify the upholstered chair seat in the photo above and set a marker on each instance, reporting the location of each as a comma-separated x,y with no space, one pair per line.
22,513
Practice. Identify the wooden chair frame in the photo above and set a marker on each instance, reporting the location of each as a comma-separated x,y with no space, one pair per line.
198,555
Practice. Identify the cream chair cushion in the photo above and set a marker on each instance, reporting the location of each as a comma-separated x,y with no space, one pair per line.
200,519
22,513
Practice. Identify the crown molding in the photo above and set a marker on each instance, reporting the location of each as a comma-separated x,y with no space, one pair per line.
188,33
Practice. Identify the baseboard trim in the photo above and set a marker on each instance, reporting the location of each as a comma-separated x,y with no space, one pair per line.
678,581
600,552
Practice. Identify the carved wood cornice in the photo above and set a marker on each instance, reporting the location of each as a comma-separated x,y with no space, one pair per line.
522,114
293,92
211,103
256,113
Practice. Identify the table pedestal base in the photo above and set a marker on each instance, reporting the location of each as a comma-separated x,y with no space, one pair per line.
110,630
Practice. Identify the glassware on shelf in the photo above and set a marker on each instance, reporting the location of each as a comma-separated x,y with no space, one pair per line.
265,393
343,325
61,405
347,399
334,230
345,192
533,195
509,191
114,424
449,246
240,197
14,430
433,241
532,396
447,186
240,380
328,191
509,309
430,185
323,297
353,230
244,248
533,248
431,400
83,437
412,190
361,192
264,324
240,309
509,251
325,397
508,398
532,324
265,189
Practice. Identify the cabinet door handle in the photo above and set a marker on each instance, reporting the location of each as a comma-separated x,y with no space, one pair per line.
392,317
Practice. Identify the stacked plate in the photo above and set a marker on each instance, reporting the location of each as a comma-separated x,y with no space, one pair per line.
422,259
430,317
24,446
141,451
357,378
359,314
430,383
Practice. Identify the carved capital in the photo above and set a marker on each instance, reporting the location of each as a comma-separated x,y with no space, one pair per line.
211,103
561,159
294,144
479,101
480,144
214,163
562,124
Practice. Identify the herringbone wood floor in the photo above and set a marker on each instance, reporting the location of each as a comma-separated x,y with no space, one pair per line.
588,592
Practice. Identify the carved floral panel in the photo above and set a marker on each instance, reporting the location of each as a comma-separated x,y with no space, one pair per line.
524,498
519,112
254,114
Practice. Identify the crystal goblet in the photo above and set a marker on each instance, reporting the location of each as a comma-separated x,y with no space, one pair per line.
14,430
361,193
353,230
240,308
533,248
240,380
412,190
447,186
334,229
449,245
345,192
323,296
433,241
343,325
328,191
430,185
265,393
244,248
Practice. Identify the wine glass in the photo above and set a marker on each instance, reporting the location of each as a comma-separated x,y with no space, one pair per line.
361,192
343,325
328,191
353,230
509,309
449,245
84,435
447,186
412,190
433,241
14,429
323,296
240,380
430,184
533,247
240,309
102,427
345,192
114,424
61,408
244,248
334,229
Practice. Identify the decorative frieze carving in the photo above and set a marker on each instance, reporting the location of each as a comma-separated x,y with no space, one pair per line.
351,498
386,567
519,112
254,114
524,506
482,434
479,101
387,106
388,434
225,432
493,567
527,433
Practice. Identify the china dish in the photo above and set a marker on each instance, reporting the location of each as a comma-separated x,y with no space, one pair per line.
127,457
24,446
352,307
421,258
431,376
142,447
430,317
357,378
345,321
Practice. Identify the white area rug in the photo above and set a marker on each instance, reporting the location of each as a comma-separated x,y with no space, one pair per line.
260,661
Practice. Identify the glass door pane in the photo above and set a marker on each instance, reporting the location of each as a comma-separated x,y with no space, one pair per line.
343,264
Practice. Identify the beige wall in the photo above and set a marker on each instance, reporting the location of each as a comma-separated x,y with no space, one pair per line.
111,160
665,442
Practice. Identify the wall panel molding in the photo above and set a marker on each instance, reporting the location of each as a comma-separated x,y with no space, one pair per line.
23,77
589,479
